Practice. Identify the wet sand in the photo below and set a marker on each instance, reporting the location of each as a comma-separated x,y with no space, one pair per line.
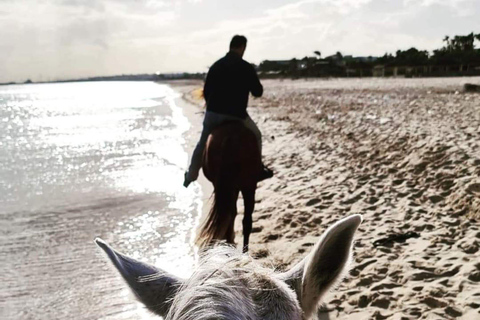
402,152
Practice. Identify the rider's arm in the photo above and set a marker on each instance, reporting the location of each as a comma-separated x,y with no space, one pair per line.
256,87
207,85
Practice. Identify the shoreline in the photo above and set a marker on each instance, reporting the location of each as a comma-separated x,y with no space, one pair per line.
193,113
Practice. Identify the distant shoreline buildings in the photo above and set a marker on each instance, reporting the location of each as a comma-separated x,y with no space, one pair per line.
458,57
349,66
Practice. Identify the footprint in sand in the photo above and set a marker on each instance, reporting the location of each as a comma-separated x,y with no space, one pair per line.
475,276
447,184
470,248
271,237
435,198
363,301
261,253
328,196
419,168
308,244
381,303
357,269
416,312
264,216
474,188
398,182
434,303
452,311
303,218
387,285
257,229
418,194
317,220
371,200
365,282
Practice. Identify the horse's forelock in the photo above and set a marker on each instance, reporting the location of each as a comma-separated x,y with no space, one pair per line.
229,285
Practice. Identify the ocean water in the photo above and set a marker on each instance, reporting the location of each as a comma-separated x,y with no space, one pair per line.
81,160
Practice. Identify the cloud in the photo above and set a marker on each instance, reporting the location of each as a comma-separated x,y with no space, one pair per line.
305,24
459,7
51,37
72,38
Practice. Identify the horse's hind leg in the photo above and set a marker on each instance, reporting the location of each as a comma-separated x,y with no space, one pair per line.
230,236
249,203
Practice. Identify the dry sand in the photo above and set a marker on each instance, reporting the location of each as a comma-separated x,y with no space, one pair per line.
402,152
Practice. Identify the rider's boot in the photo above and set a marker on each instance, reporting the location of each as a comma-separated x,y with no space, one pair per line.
186,181
266,173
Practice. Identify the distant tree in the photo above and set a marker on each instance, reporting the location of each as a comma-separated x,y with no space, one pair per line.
272,66
466,43
446,39
293,67
386,59
411,57
459,50
460,43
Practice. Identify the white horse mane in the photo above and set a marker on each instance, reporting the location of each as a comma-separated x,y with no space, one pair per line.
224,278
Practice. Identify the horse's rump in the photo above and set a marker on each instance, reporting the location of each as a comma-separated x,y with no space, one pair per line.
232,149
231,161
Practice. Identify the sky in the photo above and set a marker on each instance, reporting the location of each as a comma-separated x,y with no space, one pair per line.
47,40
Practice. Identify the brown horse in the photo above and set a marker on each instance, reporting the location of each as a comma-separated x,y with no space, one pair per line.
232,162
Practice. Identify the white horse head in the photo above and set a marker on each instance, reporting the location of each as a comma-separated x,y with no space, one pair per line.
229,285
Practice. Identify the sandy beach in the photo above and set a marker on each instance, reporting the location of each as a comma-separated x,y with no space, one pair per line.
405,154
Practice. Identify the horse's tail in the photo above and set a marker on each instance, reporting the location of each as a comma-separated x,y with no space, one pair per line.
219,222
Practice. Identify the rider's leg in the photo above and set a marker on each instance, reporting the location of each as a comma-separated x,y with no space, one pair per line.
210,122
248,122
266,172
196,162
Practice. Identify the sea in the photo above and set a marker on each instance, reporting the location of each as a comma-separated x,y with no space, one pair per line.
82,160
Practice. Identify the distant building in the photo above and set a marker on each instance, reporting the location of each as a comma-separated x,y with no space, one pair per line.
423,70
379,70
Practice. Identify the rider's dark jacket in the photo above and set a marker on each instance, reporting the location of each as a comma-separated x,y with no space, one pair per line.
228,84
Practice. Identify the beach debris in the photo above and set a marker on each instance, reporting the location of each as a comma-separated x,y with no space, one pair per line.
470,87
396,237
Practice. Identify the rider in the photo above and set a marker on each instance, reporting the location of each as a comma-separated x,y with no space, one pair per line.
227,86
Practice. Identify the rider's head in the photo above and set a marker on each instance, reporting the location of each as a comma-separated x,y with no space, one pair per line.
238,44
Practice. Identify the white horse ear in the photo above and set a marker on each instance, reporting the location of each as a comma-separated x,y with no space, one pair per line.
324,266
153,287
